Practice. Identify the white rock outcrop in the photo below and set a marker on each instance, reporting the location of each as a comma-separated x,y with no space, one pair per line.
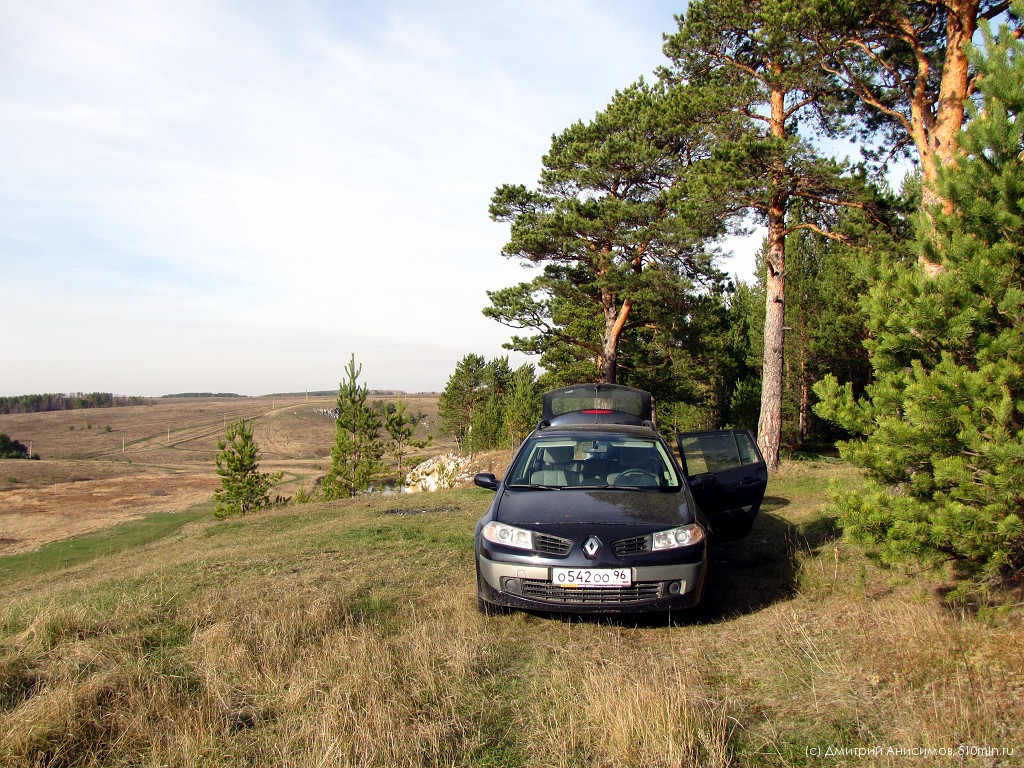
439,473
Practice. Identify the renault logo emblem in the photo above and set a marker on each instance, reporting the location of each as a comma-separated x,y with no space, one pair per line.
591,547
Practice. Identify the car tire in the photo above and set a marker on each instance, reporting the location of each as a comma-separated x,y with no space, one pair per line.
483,606
701,611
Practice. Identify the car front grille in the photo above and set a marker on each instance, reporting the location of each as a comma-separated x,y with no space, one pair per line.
631,546
550,593
551,545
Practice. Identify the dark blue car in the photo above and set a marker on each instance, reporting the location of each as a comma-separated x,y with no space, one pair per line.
596,514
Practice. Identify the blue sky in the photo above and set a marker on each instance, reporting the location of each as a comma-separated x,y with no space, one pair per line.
236,196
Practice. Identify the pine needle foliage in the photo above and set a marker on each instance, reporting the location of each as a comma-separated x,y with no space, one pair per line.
943,420
356,455
243,487
401,425
487,405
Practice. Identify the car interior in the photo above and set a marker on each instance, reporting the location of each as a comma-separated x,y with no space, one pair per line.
592,463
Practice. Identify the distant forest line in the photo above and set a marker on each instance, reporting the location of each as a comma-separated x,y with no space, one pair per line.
304,393
202,394
60,401
67,402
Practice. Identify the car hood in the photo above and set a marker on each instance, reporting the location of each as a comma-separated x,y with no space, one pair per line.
595,507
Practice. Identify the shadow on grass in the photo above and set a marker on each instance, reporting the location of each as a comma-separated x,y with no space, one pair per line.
754,572
773,502
818,532
747,575
763,568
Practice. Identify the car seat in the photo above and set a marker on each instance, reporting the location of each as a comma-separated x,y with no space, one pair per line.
555,467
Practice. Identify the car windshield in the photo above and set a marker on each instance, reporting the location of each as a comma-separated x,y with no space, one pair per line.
586,461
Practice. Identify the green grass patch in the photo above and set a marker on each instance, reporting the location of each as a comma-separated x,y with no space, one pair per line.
109,541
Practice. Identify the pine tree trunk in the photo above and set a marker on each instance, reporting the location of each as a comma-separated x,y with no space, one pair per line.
769,425
805,381
614,322
805,402
934,135
608,362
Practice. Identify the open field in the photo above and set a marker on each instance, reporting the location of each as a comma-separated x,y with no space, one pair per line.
103,466
346,633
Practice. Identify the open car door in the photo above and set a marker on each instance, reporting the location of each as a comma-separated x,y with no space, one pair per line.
728,477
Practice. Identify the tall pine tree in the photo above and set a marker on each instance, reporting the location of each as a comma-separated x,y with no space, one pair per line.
761,72
943,420
610,218
903,66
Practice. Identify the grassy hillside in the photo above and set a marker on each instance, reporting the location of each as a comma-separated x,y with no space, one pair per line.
347,634
103,466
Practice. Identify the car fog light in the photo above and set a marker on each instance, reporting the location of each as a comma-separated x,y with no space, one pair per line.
673,588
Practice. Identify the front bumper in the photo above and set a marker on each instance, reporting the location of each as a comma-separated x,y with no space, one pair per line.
655,588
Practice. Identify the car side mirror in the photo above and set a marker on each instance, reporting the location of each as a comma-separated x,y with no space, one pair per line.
486,480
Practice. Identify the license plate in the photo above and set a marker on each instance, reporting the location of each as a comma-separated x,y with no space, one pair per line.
591,577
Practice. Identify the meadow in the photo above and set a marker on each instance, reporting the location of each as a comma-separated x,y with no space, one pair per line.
99,467
346,633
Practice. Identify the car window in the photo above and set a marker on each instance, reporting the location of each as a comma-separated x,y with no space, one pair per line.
717,451
581,399
583,461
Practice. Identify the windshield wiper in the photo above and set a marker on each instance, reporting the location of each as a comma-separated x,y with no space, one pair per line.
538,487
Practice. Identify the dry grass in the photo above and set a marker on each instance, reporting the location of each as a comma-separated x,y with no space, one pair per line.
179,433
103,466
342,634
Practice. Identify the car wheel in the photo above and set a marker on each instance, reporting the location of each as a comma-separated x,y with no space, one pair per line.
702,610
485,608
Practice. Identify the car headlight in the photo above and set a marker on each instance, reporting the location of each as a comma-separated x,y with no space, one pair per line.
507,535
683,536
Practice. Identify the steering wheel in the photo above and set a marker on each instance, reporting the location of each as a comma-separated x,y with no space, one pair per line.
632,475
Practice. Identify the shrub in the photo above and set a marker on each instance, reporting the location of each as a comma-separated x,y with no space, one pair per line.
12,449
